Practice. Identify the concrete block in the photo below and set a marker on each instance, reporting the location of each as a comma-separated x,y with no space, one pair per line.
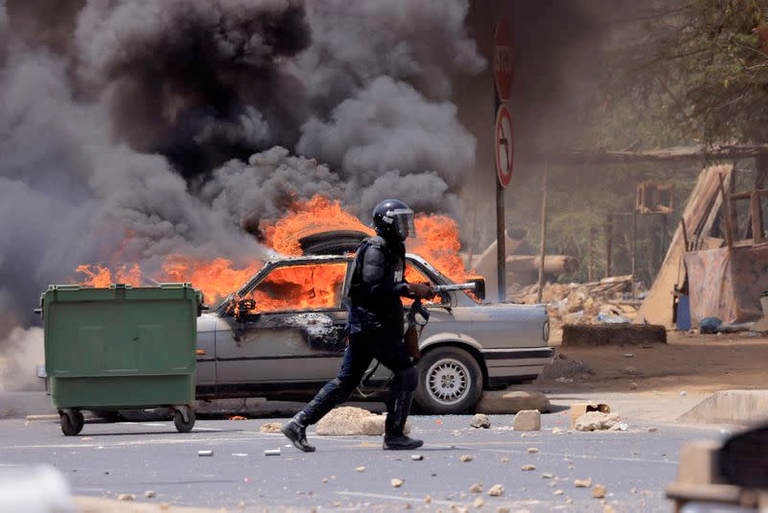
503,402
730,407
579,409
527,420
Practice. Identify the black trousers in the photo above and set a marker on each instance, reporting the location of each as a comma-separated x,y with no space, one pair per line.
386,345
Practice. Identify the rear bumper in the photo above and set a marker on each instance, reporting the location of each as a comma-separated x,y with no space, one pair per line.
508,366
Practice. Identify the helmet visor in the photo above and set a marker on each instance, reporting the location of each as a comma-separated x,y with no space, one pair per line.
404,225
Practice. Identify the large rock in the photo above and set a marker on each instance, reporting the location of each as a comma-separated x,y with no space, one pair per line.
512,402
349,421
596,421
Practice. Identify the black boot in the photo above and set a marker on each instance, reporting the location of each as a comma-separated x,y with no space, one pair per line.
397,413
296,431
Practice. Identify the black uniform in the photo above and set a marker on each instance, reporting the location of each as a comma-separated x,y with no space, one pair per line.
375,331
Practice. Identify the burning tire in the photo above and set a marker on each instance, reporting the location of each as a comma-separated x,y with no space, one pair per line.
450,381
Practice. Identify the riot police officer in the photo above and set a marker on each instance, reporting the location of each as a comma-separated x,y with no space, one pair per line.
375,329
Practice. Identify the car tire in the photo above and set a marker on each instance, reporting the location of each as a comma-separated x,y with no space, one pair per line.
450,381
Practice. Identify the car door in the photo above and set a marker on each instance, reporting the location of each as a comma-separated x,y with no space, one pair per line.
295,332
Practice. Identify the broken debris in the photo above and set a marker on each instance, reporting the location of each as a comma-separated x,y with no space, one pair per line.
596,421
126,497
496,490
598,492
396,482
149,494
205,453
465,458
417,457
361,468
479,502
476,488
528,467
582,483
480,421
271,427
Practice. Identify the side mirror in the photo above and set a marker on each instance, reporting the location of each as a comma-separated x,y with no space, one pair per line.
244,308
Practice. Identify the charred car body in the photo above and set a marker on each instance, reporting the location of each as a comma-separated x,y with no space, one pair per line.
282,336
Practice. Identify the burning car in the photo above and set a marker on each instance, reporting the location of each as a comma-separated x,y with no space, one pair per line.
281,335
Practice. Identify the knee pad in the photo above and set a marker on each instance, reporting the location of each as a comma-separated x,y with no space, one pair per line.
405,380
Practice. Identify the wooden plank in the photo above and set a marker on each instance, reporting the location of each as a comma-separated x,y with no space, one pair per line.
699,214
729,228
756,213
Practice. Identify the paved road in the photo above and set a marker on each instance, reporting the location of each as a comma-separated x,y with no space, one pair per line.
131,458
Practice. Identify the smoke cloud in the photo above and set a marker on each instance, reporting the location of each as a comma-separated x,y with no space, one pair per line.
132,130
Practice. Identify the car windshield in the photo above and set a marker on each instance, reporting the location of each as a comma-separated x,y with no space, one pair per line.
300,287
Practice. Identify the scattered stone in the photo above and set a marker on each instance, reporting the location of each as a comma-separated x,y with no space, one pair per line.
149,494
417,457
532,450
596,421
598,492
465,458
558,492
629,355
325,480
630,370
496,490
527,420
165,505
557,431
683,393
480,421
528,467
569,501
502,509
407,505
633,386
478,503
582,483
547,475
360,469
505,459
396,483
351,421
427,499
476,488
126,497
241,505
501,402
607,508
338,504
633,490
271,427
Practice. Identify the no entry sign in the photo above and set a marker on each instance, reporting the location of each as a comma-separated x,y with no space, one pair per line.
502,59
503,136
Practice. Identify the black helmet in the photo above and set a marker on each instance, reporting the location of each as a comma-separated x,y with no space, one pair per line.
393,218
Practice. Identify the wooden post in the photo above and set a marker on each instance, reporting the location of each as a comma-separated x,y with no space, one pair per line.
542,245
501,250
633,248
591,261
663,238
608,245
685,235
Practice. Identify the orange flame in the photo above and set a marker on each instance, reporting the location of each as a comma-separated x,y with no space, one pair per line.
317,215
305,287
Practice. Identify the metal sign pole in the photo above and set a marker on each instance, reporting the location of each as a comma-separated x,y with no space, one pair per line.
501,250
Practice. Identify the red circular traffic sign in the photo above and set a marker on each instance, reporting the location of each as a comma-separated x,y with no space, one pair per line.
503,142
502,59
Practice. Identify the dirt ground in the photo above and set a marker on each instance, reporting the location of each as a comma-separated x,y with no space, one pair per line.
694,363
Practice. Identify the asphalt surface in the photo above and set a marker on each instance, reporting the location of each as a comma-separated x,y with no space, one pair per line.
108,459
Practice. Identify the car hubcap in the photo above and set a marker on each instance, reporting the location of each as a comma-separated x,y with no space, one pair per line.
448,381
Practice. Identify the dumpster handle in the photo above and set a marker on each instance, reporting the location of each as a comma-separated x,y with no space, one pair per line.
38,311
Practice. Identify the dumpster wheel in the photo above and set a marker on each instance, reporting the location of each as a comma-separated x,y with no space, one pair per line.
184,425
72,422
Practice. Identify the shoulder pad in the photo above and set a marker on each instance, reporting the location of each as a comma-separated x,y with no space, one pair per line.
376,241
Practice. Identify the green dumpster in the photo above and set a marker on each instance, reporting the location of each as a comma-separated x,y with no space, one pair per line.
121,348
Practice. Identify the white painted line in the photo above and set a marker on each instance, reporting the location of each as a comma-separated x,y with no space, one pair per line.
413,499
583,456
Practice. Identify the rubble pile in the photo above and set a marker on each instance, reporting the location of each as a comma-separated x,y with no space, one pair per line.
608,300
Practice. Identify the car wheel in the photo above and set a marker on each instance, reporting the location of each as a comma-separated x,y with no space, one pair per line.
450,381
